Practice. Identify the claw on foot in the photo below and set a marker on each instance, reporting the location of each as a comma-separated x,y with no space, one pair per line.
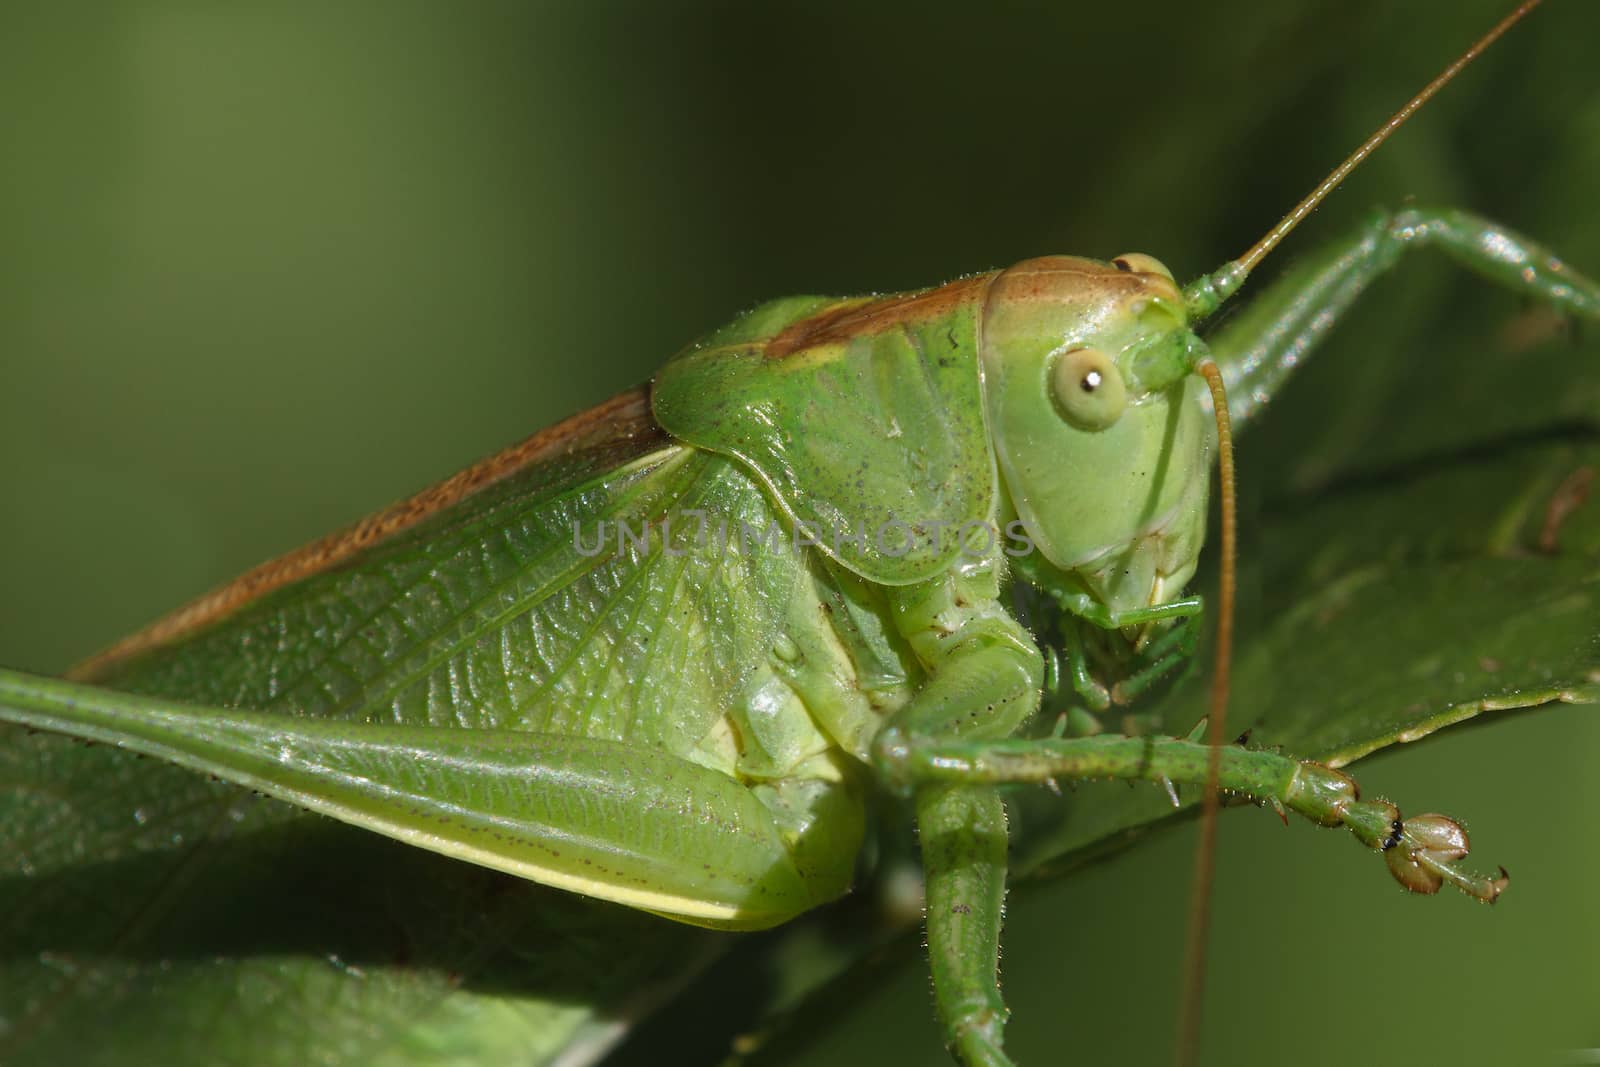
1422,852
1426,859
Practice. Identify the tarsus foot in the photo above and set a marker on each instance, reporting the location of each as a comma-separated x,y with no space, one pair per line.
1423,853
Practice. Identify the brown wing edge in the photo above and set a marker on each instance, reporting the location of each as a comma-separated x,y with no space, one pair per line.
624,416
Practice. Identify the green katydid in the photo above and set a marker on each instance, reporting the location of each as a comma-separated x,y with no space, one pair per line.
1145,366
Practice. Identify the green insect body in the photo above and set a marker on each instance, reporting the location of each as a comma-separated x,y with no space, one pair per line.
664,653
688,723
677,673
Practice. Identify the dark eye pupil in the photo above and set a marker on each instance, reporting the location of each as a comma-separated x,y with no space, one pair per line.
1091,381
1121,264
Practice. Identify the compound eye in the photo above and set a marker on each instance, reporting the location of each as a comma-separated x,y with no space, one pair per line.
1140,263
1088,388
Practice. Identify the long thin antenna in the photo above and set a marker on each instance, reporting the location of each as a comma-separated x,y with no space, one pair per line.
1227,583
1270,240
1202,297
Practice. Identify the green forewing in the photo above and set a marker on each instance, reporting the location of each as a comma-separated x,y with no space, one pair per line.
517,611
123,880
874,440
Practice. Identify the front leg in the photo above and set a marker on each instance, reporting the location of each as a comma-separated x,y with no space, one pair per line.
984,679
964,844
1261,346
953,746
1423,853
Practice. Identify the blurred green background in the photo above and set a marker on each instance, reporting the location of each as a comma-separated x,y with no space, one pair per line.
266,267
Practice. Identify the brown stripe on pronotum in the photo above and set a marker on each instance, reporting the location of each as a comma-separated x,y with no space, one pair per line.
863,317
624,416
1204,297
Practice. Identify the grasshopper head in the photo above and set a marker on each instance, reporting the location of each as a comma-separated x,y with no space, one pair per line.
1101,435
